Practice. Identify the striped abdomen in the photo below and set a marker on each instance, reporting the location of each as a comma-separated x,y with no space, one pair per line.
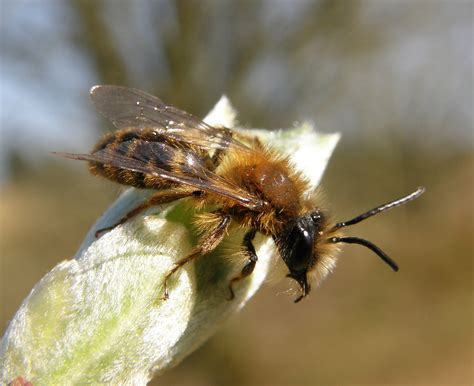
149,148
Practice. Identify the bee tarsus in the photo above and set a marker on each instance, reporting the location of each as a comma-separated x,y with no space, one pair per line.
207,243
248,268
159,198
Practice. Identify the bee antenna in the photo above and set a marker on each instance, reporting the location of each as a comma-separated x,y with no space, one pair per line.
371,246
382,208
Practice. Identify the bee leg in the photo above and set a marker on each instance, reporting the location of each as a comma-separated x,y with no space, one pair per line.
220,152
208,242
252,260
217,157
160,197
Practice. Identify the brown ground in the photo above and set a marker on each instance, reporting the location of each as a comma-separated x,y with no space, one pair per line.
365,325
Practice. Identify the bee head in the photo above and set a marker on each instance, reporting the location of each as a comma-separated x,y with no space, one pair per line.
297,246
307,245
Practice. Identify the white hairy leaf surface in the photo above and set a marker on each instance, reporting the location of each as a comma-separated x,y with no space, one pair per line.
100,317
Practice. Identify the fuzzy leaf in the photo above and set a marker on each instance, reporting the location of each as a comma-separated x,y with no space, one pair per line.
100,317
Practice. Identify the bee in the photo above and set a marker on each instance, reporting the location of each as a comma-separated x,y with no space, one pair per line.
158,146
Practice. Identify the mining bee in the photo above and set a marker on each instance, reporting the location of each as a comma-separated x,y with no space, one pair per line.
158,146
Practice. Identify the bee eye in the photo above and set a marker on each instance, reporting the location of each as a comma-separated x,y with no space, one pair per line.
300,248
297,243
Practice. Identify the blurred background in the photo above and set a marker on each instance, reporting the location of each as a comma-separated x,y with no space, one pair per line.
394,77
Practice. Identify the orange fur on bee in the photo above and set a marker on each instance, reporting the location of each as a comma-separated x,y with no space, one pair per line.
267,174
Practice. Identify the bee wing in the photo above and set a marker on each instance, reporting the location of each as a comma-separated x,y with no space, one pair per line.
172,164
127,107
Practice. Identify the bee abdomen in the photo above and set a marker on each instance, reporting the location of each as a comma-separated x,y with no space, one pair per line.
131,145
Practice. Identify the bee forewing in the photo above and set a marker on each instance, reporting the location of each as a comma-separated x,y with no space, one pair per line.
132,108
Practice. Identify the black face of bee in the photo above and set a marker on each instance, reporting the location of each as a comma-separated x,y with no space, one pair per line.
296,247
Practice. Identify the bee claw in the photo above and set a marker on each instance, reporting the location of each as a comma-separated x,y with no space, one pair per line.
101,232
232,295
166,294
